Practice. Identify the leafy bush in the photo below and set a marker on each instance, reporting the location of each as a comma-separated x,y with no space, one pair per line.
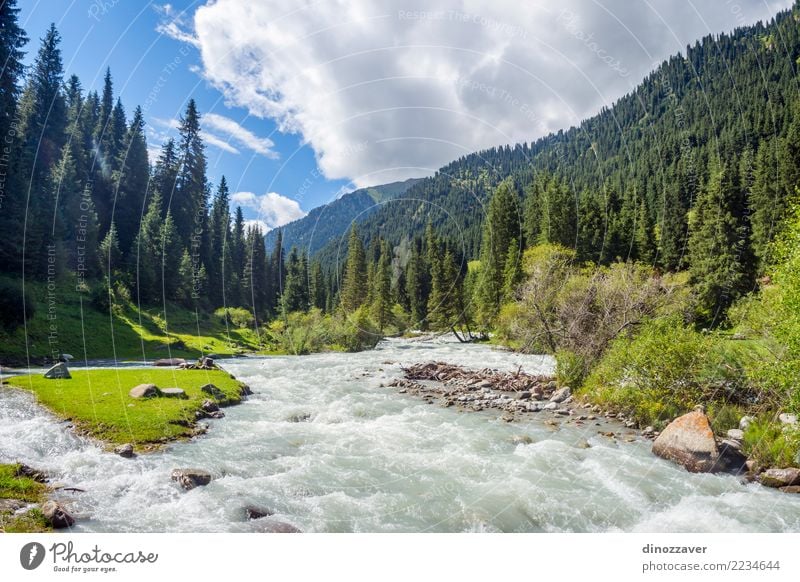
356,331
570,369
304,333
770,444
238,316
562,305
14,306
665,370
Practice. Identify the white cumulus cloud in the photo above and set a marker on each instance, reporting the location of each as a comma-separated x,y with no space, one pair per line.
385,90
272,209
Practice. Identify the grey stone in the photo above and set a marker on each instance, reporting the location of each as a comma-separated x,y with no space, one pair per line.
561,394
787,418
56,515
271,526
256,512
745,421
191,478
780,477
173,393
169,362
125,450
58,372
213,391
550,406
209,406
144,391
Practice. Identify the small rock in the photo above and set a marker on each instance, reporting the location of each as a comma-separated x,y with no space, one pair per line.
630,424
524,396
58,372
550,406
563,412
561,394
787,418
780,477
125,450
736,434
299,417
31,473
173,393
583,444
11,505
143,391
521,439
169,362
191,478
245,390
648,430
56,515
791,489
216,414
745,421
213,391
255,512
270,526
209,406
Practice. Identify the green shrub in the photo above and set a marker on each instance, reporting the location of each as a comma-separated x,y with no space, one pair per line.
724,417
14,306
238,316
663,371
770,444
570,369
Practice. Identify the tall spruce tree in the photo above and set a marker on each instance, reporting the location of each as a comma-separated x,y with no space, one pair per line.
189,203
499,230
353,294
43,132
714,244
130,182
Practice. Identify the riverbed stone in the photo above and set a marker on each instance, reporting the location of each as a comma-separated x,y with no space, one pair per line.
143,391
213,391
791,489
125,450
209,406
689,441
191,478
173,393
169,362
735,434
561,394
730,459
272,526
55,514
550,406
58,372
257,512
780,477
745,421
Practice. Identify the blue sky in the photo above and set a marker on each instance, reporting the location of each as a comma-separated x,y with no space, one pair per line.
304,98
158,72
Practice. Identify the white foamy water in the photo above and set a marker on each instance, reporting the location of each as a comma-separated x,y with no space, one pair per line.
368,459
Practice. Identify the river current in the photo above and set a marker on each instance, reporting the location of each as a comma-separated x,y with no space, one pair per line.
328,447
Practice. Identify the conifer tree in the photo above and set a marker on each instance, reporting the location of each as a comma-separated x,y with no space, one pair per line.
381,305
714,242
353,292
131,182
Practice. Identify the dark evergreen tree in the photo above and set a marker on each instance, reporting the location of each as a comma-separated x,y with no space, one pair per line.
353,294
131,182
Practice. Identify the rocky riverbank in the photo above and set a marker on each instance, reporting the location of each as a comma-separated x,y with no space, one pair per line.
688,440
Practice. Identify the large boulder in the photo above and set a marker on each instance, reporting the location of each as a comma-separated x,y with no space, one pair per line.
144,391
58,372
689,441
780,477
56,515
191,478
169,362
